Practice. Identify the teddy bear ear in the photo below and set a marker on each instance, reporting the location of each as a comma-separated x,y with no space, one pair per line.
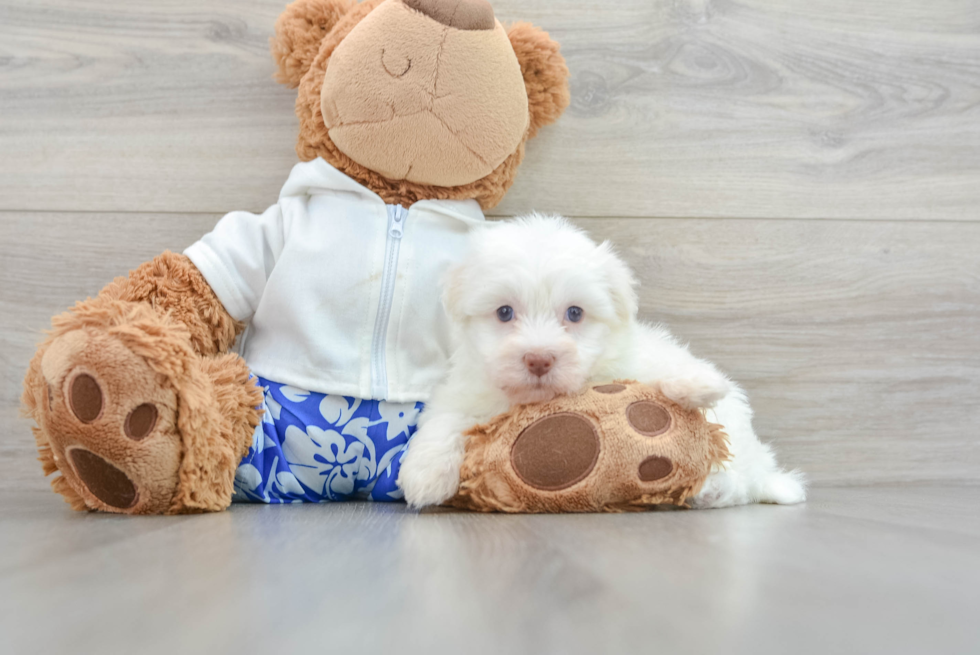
545,74
299,31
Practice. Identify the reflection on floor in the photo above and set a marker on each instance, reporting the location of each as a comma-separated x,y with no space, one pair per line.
887,569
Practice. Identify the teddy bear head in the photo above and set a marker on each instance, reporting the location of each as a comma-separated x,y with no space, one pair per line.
418,99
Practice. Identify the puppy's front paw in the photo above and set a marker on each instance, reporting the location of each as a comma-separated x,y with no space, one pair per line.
703,390
428,481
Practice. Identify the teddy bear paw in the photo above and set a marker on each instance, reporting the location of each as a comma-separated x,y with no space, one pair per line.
616,447
110,423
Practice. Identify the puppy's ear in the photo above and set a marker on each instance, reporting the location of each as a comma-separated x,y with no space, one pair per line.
453,285
545,74
622,283
299,31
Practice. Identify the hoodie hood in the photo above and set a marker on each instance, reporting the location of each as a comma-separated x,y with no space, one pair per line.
316,177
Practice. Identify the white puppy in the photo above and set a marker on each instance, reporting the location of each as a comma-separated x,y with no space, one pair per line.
539,309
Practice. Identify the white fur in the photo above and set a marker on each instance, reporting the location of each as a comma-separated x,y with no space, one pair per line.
540,266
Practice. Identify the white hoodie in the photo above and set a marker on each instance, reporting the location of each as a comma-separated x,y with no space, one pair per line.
342,290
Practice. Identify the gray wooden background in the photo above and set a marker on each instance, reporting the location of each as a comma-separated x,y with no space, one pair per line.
797,184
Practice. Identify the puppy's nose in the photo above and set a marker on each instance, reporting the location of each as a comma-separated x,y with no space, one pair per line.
538,364
461,14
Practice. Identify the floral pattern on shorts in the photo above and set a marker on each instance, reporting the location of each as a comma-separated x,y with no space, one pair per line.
313,447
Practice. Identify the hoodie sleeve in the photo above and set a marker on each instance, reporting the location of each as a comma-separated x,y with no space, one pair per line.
238,255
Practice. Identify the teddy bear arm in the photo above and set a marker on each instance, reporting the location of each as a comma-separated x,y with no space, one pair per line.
172,285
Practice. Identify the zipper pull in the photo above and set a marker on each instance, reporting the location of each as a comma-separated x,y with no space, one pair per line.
396,220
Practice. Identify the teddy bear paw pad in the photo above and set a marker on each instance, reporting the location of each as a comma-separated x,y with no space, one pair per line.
104,481
556,451
648,418
655,467
85,398
140,422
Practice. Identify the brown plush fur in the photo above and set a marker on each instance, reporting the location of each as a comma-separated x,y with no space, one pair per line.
299,31
138,353
157,337
491,482
217,418
174,286
545,77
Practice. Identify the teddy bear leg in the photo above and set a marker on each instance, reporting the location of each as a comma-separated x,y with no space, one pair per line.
132,417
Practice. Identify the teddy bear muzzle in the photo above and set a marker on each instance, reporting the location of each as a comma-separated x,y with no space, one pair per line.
426,91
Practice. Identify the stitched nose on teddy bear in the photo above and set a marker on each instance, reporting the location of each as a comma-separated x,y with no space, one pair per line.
461,14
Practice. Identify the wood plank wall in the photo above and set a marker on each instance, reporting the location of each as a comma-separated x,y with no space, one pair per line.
796,183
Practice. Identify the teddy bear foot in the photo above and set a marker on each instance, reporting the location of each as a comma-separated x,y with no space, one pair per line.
615,447
134,419
109,424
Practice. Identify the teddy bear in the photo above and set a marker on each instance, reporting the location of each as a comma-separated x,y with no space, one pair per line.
285,356
614,447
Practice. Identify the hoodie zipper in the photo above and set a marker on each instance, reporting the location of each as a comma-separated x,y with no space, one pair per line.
397,215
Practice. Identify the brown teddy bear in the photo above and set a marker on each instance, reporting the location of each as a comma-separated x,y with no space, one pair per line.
413,119
615,447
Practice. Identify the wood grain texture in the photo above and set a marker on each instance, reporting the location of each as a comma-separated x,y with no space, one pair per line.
716,108
857,340
870,571
49,263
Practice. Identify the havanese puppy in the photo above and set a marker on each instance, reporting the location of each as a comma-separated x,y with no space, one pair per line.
538,309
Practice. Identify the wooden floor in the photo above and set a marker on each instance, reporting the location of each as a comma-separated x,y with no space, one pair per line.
874,570
797,184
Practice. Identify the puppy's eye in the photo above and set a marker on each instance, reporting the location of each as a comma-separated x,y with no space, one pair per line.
574,314
505,313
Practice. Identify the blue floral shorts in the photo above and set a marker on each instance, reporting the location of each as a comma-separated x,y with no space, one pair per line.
314,447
